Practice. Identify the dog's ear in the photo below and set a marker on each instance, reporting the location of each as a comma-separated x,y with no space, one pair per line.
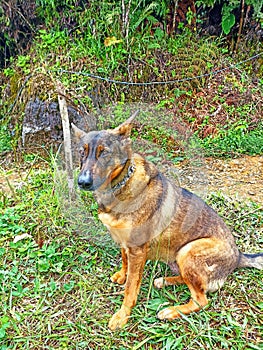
125,128
78,133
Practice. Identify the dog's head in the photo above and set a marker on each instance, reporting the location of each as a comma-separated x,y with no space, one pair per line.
103,155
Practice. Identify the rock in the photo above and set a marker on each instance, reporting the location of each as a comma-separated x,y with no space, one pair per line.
42,123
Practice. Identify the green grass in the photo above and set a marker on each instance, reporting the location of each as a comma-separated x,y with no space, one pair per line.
233,141
59,296
5,139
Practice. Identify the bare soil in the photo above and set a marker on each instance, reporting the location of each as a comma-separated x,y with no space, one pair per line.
240,177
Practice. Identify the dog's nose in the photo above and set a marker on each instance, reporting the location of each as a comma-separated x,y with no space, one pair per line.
85,181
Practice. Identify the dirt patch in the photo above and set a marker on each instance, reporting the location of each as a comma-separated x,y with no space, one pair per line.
241,177
11,181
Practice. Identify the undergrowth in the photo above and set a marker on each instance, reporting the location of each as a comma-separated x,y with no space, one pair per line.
223,109
233,141
5,139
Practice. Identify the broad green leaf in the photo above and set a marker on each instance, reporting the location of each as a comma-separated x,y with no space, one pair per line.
228,22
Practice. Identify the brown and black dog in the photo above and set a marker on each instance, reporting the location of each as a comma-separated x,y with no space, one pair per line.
151,218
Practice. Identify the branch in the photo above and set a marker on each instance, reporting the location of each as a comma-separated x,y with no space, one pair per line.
67,138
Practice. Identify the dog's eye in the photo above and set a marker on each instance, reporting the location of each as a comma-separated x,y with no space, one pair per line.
81,153
105,152
102,152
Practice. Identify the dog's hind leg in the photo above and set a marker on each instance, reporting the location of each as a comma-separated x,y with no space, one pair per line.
168,281
198,301
120,276
204,265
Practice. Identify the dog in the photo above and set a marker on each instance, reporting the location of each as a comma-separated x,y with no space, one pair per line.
152,218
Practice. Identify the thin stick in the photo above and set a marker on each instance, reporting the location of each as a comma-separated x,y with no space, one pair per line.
67,139
240,23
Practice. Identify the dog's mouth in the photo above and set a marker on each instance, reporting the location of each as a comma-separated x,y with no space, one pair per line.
86,188
86,181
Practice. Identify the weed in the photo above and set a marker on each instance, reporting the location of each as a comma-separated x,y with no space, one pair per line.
5,139
23,62
234,140
9,223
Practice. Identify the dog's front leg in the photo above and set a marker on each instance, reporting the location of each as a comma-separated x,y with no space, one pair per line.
120,276
136,261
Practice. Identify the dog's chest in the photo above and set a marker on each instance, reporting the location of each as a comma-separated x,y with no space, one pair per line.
120,229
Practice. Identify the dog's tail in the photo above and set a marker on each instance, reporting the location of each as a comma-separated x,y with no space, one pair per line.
251,260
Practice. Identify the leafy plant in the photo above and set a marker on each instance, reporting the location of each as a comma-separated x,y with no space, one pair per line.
228,18
52,40
10,223
4,325
5,139
235,140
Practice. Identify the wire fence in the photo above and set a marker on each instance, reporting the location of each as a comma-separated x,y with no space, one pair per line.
108,80
131,83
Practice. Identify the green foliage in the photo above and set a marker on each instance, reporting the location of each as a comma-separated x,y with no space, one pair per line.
96,43
234,140
4,325
144,12
23,62
5,139
10,223
228,18
55,12
52,40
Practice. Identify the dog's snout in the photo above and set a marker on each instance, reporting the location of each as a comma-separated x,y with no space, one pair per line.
85,181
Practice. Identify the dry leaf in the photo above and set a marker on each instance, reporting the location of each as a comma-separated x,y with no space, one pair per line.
20,237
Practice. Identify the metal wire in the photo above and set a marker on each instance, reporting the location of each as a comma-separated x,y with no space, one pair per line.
108,80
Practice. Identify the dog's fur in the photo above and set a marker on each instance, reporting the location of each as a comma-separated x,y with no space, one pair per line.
151,218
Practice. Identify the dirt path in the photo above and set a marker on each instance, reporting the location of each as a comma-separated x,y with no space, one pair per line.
241,177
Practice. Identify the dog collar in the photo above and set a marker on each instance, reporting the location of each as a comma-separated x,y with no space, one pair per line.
129,174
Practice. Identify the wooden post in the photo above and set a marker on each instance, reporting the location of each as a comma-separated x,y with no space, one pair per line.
67,138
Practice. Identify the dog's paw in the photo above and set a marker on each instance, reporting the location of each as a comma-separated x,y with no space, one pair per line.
159,282
170,313
119,277
120,318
